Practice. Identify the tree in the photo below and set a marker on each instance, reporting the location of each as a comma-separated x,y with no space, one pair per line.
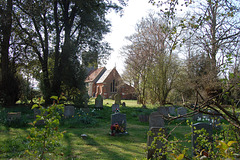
152,57
10,84
63,30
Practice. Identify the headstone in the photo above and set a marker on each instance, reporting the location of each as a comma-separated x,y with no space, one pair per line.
117,99
155,131
69,111
163,111
156,120
13,116
36,112
197,117
115,108
99,102
123,104
215,120
172,111
181,111
143,118
199,126
120,119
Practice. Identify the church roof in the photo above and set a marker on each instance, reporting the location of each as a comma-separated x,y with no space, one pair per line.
104,76
95,74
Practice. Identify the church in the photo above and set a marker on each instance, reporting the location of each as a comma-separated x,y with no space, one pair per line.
107,83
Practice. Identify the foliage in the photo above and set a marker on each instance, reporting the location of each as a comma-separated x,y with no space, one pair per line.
220,145
45,139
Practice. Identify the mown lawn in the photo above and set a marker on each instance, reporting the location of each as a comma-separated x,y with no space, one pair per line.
98,144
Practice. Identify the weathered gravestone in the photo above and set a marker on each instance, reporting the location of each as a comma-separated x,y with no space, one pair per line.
153,145
115,108
181,111
172,111
163,111
99,102
143,118
196,138
69,111
117,99
13,116
120,119
156,120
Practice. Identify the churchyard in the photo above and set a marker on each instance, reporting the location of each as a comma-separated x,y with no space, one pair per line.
91,133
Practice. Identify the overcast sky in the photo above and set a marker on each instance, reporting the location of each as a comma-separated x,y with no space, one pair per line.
125,26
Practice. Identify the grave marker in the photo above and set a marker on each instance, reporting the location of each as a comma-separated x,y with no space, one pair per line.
99,102
172,111
209,131
181,111
156,120
154,133
117,98
121,121
69,111
115,108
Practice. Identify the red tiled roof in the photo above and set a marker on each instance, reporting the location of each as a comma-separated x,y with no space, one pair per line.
94,74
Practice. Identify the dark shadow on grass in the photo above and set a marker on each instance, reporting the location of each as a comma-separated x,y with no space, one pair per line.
68,154
109,153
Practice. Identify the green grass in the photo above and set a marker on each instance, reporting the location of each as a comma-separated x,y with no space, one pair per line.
98,144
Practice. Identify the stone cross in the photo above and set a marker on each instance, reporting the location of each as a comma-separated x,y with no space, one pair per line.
117,98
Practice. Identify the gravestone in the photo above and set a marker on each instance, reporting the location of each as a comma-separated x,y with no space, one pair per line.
197,117
121,120
215,120
163,111
36,112
143,118
123,104
99,102
154,133
117,99
69,111
199,126
13,116
156,120
115,108
172,111
181,111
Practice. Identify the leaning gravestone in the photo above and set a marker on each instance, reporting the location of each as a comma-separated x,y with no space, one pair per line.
181,111
121,120
115,108
195,139
69,111
99,102
154,132
156,120
117,98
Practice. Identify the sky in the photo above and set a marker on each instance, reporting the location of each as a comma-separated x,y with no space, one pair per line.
125,26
